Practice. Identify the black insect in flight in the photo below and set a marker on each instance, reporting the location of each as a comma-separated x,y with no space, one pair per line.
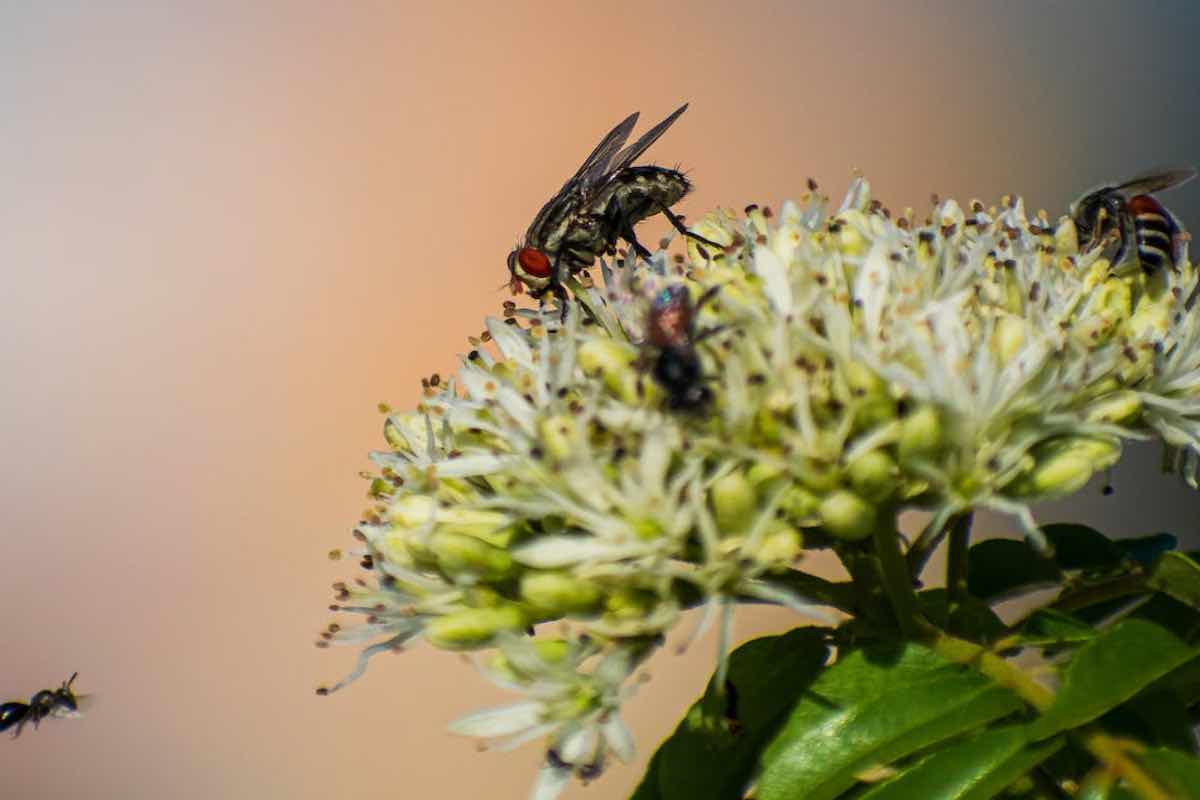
670,342
598,205
60,702
1128,211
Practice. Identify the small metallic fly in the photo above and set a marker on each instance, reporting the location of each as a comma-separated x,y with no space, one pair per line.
600,204
60,702
670,347
1127,211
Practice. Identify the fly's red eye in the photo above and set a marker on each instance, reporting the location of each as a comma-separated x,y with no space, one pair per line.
534,262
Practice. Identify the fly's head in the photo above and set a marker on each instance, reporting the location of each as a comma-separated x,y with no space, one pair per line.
530,268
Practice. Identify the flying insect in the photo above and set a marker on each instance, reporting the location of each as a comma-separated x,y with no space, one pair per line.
60,702
670,342
1135,217
598,205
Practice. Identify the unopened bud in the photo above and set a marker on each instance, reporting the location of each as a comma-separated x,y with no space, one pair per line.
874,475
780,547
472,628
557,594
1118,408
845,515
614,363
1064,465
734,501
459,554
920,434
558,436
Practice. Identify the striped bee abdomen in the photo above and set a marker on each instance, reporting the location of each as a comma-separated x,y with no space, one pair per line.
1155,230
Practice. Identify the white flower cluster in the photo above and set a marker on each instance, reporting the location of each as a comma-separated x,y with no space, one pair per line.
855,364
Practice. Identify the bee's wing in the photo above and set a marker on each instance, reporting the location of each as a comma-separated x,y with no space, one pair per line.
83,703
1157,180
596,164
627,156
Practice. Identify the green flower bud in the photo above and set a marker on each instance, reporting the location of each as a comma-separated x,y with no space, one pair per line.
550,651
472,628
845,515
734,502
614,362
459,554
874,475
557,594
780,547
1008,337
559,434
629,604
647,529
759,474
800,505
1118,408
1065,464
920,435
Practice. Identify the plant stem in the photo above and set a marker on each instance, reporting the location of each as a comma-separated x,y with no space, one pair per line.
1107,750
897,583
956,563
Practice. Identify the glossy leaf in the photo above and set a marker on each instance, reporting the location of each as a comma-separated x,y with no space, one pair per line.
714,752
1154,717
1048,627
1111,669
1145,550
874,706
1178,576
1081,547
1176,773
999,567
976,768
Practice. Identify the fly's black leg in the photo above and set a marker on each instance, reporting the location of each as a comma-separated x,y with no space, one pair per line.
707,332
708,295
678,225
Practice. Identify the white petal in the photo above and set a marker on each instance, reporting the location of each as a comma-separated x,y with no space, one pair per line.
618,738
579,746
775,279
511,341
561,551
551,781
499,721
469,465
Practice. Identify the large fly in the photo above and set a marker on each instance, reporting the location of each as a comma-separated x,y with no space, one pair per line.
598,205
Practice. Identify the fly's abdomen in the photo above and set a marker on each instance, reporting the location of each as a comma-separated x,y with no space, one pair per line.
1155,230
640,192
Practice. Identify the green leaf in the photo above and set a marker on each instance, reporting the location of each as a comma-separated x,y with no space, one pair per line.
1048,627
1146,549
1154,717
1173,775
713,756
1178,576
874,706
1109,670
976,768
999,567
1081,547
1176,773
970,618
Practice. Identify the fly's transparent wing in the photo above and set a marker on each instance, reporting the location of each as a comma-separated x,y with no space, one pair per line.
1157,180
627,156
596,164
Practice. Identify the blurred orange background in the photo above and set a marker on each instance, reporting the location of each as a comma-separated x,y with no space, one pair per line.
229,230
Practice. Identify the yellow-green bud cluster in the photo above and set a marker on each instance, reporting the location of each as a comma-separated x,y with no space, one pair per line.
856,363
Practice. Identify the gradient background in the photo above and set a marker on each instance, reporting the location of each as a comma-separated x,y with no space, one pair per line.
227,233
